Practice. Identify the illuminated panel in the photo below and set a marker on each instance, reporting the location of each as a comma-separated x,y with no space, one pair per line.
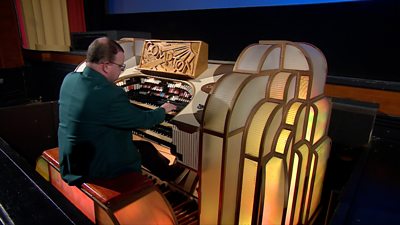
220,102
308,188
294,59
300,131
249,59
292,90
323,107
274,192
256,128
252,93
292,113
319,69
293,181
322,151
248,190
233,153
309,124
272,130
304,153
303,87
210,179
278,84
187,58
282,141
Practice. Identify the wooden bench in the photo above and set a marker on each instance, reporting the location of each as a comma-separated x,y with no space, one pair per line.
128,199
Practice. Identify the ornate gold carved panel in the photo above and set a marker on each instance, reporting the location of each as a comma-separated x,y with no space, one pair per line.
186,58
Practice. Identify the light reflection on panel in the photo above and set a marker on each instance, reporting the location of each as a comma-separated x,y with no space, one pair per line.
322,119
210,178
274,192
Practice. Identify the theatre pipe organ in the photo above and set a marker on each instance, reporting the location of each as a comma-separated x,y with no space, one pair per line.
257,136
254,133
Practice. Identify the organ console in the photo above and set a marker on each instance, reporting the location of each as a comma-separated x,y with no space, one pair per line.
253,133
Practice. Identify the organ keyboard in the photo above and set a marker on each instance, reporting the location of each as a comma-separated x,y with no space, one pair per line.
180,129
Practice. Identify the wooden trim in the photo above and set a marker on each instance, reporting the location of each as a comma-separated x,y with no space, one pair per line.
389,101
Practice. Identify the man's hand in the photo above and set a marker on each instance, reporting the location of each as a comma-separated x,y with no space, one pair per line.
168,107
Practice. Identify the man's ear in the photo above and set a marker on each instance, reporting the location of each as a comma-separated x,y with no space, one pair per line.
105,67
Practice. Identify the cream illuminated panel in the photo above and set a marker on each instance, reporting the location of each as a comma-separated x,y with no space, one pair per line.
264,142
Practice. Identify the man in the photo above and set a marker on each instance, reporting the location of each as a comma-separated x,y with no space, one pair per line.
96,119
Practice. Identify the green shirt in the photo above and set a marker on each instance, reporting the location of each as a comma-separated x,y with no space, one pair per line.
95,129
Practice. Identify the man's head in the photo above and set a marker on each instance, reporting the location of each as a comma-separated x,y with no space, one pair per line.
106,57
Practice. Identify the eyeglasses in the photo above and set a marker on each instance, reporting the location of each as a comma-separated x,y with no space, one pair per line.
122,67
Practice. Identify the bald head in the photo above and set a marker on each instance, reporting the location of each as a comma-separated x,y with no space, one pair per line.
102,50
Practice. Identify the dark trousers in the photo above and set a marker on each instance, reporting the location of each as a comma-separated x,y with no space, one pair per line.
153,160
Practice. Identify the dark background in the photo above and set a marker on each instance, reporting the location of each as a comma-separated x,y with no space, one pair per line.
359,39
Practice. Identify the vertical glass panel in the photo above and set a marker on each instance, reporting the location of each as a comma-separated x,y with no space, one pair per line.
300,124
308,188
303,88
293,183
295,59
282,141
220,102
274,192
232,174
304,152
323,154
210,179
272,131
277,90
256,128
248,190
251,94
322,119
291,91
292,113
309,124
